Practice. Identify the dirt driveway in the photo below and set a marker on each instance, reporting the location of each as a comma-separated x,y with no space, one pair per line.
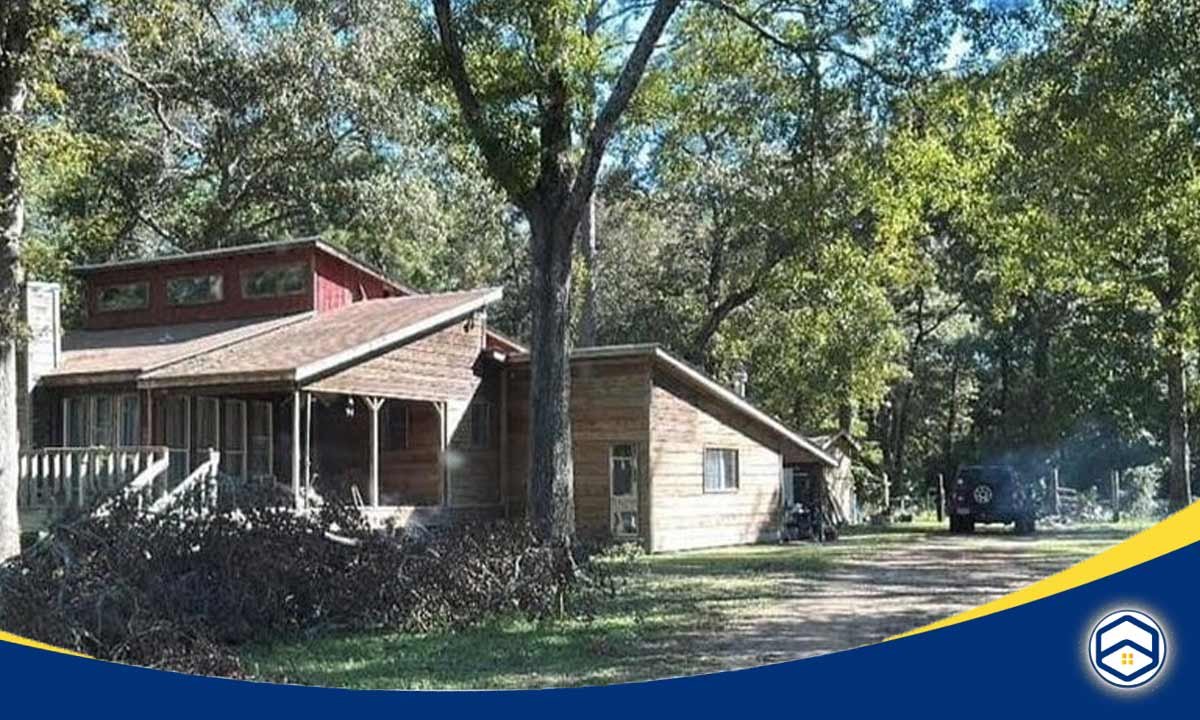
885,582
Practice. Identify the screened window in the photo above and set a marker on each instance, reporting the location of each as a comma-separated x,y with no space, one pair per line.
261,462
102,421
275,281
129,421
173,428
194,290
481,425
76,421
720,470
127,296
395,426
208,425
623,468
233,438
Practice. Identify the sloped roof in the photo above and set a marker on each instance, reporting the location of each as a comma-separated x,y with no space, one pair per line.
319,344
121,355
698,380
828,440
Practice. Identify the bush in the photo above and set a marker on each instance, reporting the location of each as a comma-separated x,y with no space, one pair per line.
181,590
1139,492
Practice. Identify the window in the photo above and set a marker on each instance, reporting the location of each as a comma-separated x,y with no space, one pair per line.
174,429
76,421
129,421
720,470
395,426
481,425
194,290
206,429
233,438
275,281
102,421
127,296
623,486
623,469
261,423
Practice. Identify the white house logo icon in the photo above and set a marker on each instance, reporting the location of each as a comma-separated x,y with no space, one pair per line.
1127,648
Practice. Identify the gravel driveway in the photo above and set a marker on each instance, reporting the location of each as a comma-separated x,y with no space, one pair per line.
884,583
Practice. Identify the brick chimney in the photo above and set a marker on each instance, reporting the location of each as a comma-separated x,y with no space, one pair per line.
41,307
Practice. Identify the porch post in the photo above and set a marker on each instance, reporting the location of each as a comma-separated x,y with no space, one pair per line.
443,466
307,443
504,459
374,404
296,448
148,420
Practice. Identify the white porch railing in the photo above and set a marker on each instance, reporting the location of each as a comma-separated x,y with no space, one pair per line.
199,488
54,480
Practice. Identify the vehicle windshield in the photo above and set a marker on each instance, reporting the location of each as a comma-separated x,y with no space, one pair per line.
989,474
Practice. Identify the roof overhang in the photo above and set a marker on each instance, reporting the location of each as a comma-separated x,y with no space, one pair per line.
678,368
383,343
313,371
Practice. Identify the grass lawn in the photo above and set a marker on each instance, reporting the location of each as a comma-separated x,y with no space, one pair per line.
671,605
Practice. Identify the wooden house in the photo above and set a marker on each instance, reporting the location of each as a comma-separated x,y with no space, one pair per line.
296,363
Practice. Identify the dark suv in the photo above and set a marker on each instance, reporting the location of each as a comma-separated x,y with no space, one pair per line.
990,494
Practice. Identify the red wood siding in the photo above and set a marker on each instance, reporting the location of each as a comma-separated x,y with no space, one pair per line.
232,306
339,283
334,283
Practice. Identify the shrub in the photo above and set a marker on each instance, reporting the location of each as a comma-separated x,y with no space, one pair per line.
1139,492
182,590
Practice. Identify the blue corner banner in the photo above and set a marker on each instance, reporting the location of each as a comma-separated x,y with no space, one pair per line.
1116,635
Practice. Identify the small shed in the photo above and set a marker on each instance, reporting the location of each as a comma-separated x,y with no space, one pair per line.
832,487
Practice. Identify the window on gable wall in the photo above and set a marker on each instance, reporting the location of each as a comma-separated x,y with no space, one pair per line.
720,470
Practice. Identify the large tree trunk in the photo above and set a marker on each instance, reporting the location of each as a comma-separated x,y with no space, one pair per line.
551,481
1179,487
589,322
14,33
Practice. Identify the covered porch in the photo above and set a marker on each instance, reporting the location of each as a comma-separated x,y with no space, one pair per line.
398,459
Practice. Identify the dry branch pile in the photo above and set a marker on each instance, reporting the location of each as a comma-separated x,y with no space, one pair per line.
181,592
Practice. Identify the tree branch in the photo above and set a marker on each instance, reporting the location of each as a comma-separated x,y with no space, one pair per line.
803,48
494,154
614,108
158,103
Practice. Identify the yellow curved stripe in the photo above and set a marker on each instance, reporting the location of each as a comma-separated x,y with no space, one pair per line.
1179,530
18,640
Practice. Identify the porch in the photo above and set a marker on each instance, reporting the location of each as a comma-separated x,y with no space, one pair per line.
400,460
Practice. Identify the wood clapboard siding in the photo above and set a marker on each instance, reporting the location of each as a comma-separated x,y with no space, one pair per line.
609,405
683,515
440,366
475,471
444,366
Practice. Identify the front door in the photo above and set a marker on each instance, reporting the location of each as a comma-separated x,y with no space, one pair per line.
623,490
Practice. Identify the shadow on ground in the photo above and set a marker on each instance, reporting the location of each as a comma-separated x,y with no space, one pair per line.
688,613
